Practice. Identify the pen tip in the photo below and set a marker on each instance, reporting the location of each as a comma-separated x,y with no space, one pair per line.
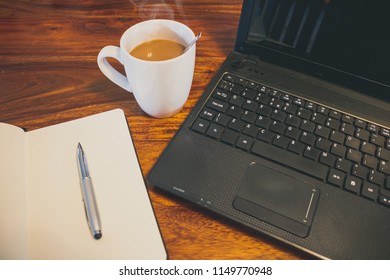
98,235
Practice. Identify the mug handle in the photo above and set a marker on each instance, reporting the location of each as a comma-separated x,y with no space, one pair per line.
108,70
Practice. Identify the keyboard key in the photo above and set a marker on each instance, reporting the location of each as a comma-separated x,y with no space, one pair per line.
308,138
240,81
250,105
237,100
281,141
277,127
222,119
370,191
322,131
384,153
236,89
333,123
353,184
234,111
222,95
376,177
343,165
334,114
278,115
318,118
360,171
228,77
218,105
347,129
311,153
236,124
323,110
208,114
296,162
323,144
311,106
215,131
384,200
360,123
200,125
290,108
296,147
293,120
368,148
308,126
248,93
337,137
299,101
378,140
292,132
263,122
352,142
354,155
224,85
372,127
263,89
265,135
264,110
262,98
338,150
276,103
286,97
336,177
304,113
384,167
385,132
275,93
328,159
248,116
252,86
229,137
244,142
347,119
250,130
370,161
362,134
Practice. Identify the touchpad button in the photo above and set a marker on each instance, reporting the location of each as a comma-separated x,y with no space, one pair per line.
278,199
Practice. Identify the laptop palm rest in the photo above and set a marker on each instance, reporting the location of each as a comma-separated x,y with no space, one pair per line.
278,199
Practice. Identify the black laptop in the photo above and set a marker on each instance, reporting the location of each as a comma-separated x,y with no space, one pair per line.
292,135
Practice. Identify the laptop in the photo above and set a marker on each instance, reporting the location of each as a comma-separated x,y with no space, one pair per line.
292,135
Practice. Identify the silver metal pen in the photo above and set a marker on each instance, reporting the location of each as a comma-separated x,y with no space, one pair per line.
89,199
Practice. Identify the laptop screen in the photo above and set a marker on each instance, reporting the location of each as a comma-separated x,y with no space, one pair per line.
344,41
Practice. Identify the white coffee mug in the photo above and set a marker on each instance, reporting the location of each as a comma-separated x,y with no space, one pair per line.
160,88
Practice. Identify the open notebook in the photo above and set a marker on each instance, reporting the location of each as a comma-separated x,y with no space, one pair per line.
41,209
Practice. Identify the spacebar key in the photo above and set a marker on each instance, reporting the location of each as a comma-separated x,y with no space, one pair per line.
284,157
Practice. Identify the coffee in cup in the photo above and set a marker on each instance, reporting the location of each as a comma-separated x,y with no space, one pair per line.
157,50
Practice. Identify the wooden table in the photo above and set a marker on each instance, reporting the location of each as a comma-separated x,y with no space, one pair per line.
49,74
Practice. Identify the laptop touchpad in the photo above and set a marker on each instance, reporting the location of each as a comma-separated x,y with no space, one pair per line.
278,199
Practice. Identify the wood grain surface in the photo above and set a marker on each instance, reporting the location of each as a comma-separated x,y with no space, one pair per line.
49,74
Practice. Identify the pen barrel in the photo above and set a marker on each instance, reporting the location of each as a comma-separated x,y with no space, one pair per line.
91,207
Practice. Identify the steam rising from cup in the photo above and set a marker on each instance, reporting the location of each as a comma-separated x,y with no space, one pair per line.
158,9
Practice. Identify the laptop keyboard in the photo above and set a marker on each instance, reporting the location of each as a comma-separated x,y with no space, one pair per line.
345,151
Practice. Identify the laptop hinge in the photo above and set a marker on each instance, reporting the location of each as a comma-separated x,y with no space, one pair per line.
253,58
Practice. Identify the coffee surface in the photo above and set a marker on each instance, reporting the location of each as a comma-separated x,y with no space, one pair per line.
157,50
